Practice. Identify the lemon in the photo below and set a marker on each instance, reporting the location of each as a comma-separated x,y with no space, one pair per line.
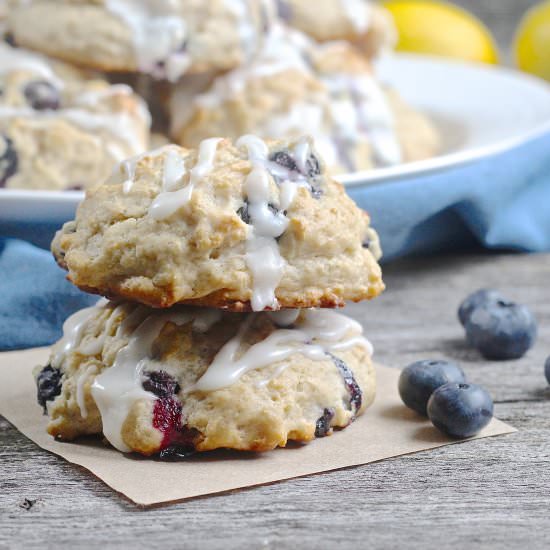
441,28
532,41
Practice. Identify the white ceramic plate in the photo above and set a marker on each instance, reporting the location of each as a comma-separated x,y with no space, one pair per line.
479,110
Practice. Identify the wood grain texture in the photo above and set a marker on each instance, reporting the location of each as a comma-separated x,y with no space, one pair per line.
491,493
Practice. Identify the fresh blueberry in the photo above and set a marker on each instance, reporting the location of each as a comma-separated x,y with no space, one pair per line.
42,95
160,383
8,159
547,369
460,410
354,390
419,380
48,385
501,330
474,300
322,427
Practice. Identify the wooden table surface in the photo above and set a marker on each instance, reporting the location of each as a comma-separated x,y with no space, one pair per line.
490,493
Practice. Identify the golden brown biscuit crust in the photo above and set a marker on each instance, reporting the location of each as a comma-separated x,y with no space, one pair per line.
198,254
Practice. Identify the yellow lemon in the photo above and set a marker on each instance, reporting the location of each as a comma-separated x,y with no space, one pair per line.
441,28
532,42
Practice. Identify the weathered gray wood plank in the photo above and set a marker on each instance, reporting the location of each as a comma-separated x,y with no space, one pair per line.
488,493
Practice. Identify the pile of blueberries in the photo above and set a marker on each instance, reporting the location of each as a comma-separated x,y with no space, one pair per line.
499,329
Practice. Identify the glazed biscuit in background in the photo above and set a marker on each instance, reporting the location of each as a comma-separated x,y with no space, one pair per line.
365,24
296,86
250,225
418,136
187,378
61,128
165,38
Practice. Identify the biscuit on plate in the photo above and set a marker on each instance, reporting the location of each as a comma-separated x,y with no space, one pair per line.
296,86
365,24
60,128
166,38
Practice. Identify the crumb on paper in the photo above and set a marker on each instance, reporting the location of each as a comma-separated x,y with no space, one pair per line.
28,503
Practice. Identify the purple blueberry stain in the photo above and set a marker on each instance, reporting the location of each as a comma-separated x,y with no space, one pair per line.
283,159
8,160
244,212
288,169
354,391
48,385
313,166
160,383
322,426
41,95
176,452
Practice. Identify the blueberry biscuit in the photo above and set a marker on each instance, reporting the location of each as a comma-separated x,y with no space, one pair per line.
164,38
361,22
184,379
250,225
61,129
296,86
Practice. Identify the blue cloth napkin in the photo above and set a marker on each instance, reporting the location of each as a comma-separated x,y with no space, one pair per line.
499,202
35,298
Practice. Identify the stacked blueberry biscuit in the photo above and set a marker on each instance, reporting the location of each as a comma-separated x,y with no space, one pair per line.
221,267
276,69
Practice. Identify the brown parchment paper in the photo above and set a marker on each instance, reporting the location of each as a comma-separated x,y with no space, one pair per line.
387,429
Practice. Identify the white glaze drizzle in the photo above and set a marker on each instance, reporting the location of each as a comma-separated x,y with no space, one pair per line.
358,13
282,50
15,59
169,201
351,110
174,170
120,125
284,317
73,327
94,346
125,172
247,32
158,31
117,388
359,108
316,333
80,397
263,257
